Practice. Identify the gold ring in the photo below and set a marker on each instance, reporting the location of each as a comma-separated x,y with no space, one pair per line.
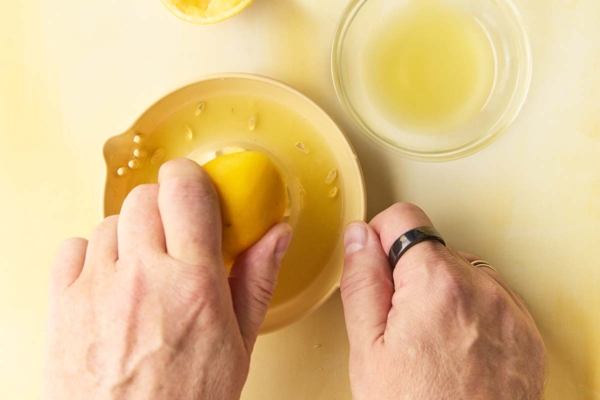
484,264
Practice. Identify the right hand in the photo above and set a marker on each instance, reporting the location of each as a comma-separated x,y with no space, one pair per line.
145,309
439,328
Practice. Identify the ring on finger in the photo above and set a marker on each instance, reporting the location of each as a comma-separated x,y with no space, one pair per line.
483,264
411,238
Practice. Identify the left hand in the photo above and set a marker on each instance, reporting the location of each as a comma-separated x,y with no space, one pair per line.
145,309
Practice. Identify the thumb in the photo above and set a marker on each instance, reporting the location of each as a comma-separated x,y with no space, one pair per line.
367,287
253,278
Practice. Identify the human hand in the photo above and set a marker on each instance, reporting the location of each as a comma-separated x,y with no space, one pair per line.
145,310
441,328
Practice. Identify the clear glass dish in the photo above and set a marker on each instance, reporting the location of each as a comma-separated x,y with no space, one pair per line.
504,28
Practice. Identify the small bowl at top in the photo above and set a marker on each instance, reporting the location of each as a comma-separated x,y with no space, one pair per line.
433,80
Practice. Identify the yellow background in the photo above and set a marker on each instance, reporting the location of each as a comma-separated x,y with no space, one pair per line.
73,73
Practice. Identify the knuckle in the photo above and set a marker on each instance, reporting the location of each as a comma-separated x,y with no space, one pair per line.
257,255
455,287
405,208
141,192
108,224
110,221
70,251
191,189
71,244
176,165
199,297
192,287
356,283
396,210
261,292
399,210
496,299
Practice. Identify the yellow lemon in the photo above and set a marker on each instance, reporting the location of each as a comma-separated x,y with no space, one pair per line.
253,198
206,11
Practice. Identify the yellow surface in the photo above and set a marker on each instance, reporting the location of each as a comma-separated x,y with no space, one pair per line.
430,67
529,203
252,195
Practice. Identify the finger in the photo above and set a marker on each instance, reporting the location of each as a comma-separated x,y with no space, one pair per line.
399,219
494,275
139,228
103,245
253,278
67,265
469,257
366,286
189,207
516,297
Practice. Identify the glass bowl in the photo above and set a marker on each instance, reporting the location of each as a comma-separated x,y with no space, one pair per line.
504,29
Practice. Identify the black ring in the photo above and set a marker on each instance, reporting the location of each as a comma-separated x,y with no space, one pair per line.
409,239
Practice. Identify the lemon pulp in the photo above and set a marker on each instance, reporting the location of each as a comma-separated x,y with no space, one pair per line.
206,11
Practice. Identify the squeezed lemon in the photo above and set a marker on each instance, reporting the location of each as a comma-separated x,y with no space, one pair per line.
206,11
252,195
429,68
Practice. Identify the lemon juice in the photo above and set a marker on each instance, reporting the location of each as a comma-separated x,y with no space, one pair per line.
222,124
430,68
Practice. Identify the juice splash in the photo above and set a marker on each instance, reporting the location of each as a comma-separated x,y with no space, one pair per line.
221,124
429,68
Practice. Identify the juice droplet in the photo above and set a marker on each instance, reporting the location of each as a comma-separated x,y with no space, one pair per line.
333,192
331,176
188,132
158,156
140,152
134,164
200,108
300,146
122,171
252,123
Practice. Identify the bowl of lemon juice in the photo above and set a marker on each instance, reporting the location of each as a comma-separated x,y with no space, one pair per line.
433,80
222,116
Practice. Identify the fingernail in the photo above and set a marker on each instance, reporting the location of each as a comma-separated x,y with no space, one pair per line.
282,246
355,237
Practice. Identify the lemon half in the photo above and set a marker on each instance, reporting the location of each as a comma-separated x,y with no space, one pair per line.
206,11
253,198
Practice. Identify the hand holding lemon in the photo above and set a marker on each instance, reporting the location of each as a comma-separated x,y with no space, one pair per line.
147,298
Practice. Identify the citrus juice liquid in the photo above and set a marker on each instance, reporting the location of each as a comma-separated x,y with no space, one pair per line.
228,123
429,68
